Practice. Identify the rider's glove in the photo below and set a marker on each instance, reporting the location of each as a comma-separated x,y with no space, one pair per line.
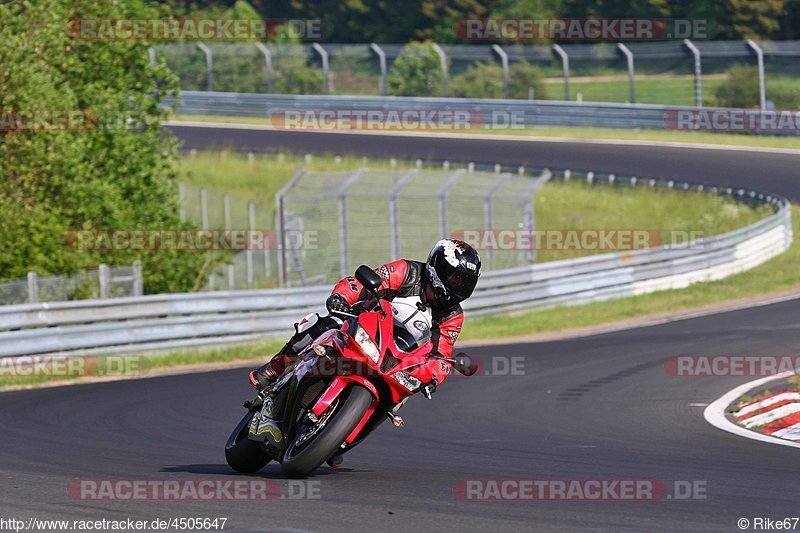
429,389
337,304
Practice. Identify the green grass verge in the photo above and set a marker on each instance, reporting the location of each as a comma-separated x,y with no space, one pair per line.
144,363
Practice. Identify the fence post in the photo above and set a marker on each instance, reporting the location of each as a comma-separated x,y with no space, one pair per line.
629,57
343,243
280,224
529,220
251,223
267,64
487,212
204,208
382,62
226,209
138,284
323,55
504,62
181,201
443,200
103,275
395,236
698,73
564,67
762,89
209,65
33,287
442,65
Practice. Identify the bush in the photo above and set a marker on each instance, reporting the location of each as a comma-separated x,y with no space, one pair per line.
740,88
784,98
485,80
116,172
416,72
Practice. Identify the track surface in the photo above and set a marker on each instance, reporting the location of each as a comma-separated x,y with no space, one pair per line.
590,408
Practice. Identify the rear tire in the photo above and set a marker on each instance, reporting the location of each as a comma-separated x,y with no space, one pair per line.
242,454
299,464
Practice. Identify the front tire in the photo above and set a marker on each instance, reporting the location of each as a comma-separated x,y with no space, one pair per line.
242,454
299,462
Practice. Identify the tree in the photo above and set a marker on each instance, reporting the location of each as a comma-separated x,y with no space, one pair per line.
113,170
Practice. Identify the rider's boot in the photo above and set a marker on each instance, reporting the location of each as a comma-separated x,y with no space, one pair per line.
265,375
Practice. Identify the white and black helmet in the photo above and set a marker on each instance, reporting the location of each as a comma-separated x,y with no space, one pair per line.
453,269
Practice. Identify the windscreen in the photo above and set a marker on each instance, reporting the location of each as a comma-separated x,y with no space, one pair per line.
412,326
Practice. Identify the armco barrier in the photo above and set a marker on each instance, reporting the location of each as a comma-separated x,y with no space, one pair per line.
178,320
489,113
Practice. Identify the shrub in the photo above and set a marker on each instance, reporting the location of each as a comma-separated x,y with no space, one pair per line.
485,80
416,72
740,88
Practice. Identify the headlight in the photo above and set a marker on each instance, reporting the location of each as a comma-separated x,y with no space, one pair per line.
409,382
367,345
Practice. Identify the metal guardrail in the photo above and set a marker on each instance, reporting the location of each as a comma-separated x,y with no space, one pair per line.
479,113
180,320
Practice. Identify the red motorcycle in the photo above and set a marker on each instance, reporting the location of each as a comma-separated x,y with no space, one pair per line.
344,385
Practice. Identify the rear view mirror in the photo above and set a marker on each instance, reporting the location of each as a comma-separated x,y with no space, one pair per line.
465,365
368,278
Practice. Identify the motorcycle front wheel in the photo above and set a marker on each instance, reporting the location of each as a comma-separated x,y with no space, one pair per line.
316,443
242,454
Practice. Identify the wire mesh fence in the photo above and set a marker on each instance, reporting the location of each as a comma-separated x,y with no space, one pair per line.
104,282
372,216
251,267
668,72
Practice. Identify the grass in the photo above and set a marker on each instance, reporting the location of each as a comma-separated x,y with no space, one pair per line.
144,363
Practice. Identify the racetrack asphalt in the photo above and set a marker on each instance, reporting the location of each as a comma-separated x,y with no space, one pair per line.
597,407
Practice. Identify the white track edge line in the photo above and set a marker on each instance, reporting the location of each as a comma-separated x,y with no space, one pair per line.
715,412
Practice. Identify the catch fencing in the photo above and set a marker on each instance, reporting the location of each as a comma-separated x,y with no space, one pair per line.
178,320
665,72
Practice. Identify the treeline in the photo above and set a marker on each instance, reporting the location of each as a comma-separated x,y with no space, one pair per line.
400,21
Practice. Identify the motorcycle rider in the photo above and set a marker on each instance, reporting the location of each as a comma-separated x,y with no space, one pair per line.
445,280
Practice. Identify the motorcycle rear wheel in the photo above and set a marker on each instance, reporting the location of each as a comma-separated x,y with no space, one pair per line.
242,454
300,459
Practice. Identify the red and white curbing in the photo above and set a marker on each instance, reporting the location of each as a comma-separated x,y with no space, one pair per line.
777,415
774,419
